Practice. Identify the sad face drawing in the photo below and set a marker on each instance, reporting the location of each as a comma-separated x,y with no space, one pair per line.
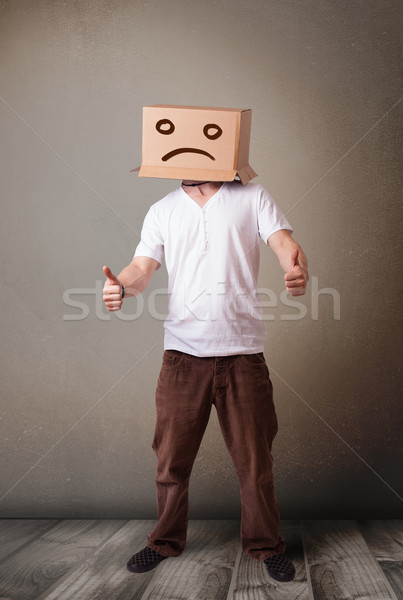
166,127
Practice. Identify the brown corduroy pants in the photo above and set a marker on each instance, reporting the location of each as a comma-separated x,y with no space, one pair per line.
239,386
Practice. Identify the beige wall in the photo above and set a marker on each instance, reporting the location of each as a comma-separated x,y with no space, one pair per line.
77,413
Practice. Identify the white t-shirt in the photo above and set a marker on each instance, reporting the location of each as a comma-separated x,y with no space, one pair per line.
212,258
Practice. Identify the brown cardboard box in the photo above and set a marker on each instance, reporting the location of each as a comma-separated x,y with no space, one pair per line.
196,143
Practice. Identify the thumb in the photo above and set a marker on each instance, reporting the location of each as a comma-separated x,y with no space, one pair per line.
294,258
110,275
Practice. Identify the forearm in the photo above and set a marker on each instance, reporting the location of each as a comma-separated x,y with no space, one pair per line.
133,279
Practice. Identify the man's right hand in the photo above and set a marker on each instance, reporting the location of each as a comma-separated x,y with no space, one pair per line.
112,292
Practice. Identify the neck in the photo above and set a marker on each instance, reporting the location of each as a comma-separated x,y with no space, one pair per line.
195,183
202,191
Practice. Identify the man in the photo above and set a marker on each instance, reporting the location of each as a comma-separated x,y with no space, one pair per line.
209,234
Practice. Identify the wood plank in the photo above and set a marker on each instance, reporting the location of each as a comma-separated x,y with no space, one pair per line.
15,533
204,570
103,575
385,540
254,583
341,566
31,571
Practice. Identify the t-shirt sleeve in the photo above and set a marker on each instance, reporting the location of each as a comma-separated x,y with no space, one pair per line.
270,217
151,243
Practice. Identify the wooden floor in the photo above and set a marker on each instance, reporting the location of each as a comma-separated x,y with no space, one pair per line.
86,559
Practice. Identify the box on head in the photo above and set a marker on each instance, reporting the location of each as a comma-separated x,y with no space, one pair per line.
196,143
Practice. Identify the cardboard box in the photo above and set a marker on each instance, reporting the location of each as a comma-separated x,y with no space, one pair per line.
196,143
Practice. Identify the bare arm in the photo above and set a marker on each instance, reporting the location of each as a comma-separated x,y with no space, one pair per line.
292,260
134,278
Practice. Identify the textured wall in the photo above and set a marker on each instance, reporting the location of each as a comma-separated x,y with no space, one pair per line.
323,81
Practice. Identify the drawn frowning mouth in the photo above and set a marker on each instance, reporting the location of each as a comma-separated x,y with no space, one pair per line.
182,150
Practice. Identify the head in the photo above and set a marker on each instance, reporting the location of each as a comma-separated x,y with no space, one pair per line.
196,143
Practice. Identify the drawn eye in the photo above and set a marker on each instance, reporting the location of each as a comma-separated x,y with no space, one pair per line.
165,126
216,134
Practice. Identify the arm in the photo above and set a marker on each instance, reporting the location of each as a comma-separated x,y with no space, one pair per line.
292,259
134,278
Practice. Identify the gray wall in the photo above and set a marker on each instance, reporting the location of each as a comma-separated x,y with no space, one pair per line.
77,413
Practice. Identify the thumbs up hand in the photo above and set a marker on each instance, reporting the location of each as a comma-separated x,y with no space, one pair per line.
112,292
297,276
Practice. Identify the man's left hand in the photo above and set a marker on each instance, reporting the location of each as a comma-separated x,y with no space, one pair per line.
297,276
